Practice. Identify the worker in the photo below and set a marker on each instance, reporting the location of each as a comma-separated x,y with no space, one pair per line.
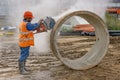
26,39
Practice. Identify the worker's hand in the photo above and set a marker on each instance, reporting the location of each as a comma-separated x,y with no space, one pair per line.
40,29
43,28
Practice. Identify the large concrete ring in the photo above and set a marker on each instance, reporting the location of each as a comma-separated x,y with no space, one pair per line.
97,52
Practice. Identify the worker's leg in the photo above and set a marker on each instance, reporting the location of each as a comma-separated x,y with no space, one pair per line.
24,53
23,57
26,69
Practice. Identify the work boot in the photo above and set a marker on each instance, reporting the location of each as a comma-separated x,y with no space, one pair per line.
21,69
25,67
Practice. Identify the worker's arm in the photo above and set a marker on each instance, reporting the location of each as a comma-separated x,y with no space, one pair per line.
32,27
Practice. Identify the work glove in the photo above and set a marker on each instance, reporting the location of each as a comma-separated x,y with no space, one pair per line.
41,28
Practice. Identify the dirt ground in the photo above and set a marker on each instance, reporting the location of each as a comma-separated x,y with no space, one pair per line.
48,67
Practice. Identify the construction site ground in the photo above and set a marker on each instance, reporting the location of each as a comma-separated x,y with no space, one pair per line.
46,66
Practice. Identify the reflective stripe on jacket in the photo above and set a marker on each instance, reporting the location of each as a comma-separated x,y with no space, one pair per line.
25,36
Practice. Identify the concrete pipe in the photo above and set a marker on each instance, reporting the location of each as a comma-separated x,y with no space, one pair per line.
95,54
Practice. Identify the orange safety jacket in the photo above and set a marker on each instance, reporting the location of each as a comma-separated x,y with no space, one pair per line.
26,37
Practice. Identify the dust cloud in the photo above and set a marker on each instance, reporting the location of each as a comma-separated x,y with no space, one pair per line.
56,9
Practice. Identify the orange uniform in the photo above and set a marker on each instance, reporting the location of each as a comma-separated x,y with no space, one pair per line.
25,37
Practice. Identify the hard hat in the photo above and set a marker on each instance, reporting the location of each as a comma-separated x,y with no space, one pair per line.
28,14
